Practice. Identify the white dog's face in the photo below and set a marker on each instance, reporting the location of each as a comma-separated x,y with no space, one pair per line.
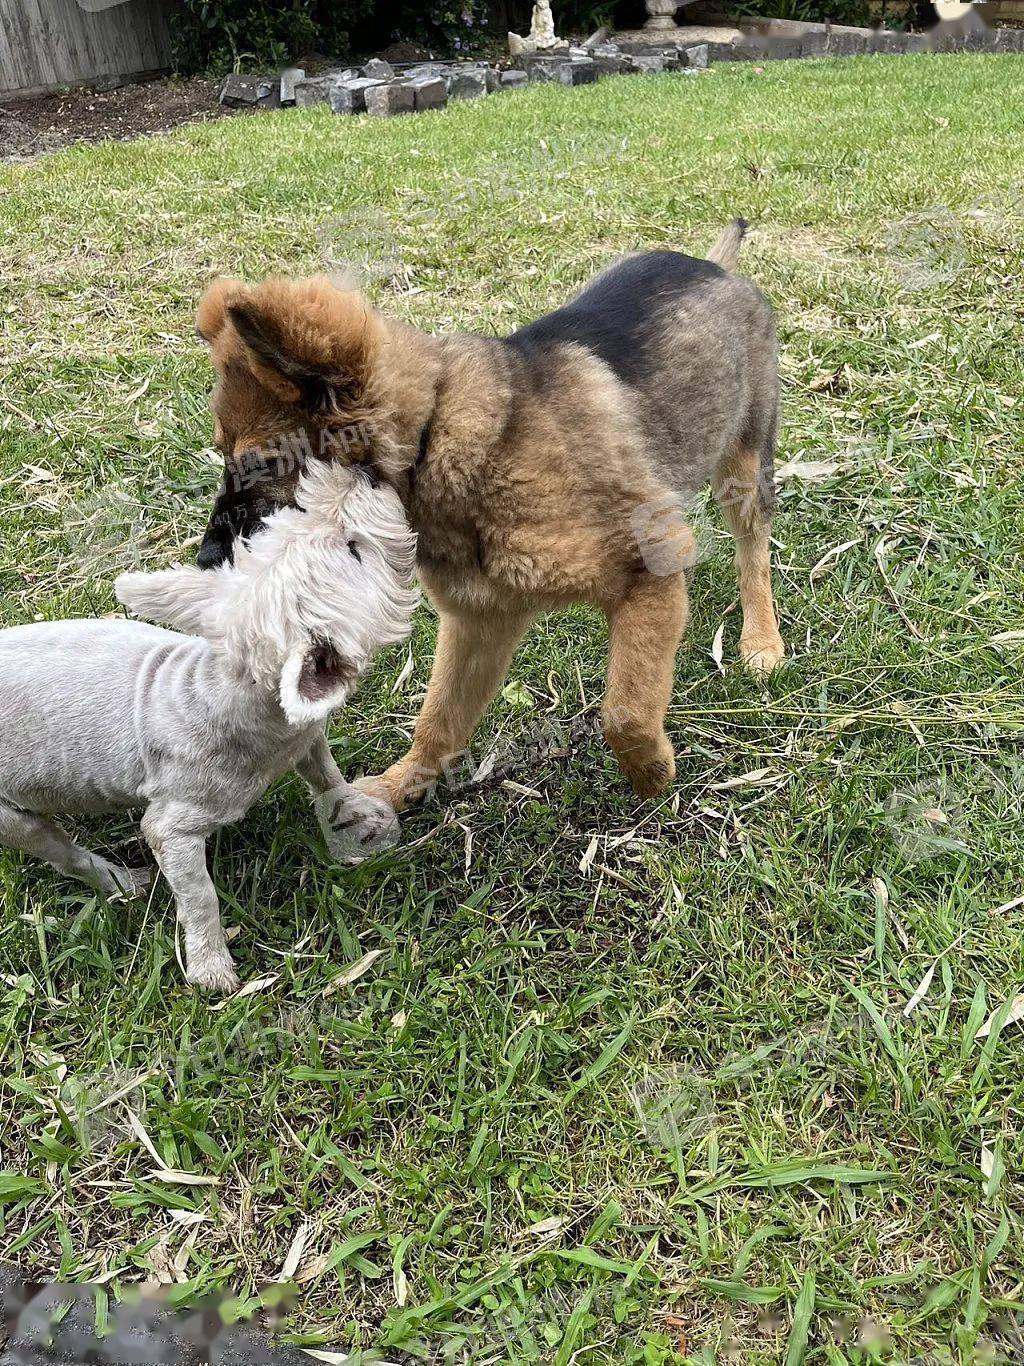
309,600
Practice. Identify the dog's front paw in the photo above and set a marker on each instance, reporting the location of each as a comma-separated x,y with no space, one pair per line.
356,824
213,970
761,654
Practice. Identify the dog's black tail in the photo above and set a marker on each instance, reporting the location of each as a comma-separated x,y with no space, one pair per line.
726,249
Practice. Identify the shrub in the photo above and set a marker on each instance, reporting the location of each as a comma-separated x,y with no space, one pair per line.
808,11
233,34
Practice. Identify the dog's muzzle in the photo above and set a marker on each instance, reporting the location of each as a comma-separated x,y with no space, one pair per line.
236,514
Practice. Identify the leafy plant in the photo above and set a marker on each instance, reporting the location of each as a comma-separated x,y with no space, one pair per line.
235,34
807,11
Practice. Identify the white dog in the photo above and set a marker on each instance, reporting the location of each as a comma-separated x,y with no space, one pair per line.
106,715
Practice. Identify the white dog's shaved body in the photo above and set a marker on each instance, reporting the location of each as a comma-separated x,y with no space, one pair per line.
109,715
99,716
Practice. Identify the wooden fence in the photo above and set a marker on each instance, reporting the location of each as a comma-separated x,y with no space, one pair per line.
49,43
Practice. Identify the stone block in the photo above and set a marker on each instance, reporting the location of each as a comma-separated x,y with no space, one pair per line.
697,56
545,69
611,65
846,44
429,92
468,85
378,70
313,90
814,43
513,80
648,64
885,43
724,52
349,97
578,73
250,92
779,49
980,40
386,98
422,70
290,76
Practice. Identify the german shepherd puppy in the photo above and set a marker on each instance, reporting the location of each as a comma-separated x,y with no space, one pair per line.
538,470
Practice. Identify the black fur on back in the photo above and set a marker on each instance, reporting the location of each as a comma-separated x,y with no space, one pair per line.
617,316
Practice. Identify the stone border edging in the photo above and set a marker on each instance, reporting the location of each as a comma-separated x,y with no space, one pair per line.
382,89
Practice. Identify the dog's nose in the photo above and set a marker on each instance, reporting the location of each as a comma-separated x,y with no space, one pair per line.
213,552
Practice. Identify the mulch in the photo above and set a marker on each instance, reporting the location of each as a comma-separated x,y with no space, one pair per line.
45,123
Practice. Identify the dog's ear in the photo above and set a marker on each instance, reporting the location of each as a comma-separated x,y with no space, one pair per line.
267,351
306,341
182,599
212,313
316,681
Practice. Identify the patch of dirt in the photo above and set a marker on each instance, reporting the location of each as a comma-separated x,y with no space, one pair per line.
43,123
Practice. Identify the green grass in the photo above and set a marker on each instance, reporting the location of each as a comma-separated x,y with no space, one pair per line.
455,1133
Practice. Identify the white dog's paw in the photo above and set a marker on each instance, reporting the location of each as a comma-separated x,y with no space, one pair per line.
356,825
213,970
135,883
121,884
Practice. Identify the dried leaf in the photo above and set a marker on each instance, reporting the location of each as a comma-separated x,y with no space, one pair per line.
832,555
135,1124
921,991
37,475
291,1262
1016,1013
551,1225
401,1287
250,989
716,647
755,778
353,973
808,470
523,791
176,1178
589,856
404,675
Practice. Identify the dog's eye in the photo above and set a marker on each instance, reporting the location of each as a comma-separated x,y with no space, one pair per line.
354,550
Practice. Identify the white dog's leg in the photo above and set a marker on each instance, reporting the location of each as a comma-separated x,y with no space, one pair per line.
179,842
355,825
32,835
318,770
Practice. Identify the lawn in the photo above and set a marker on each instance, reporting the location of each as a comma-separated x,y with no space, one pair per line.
699,1080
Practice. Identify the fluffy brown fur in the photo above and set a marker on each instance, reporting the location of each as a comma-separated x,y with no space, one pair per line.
522,464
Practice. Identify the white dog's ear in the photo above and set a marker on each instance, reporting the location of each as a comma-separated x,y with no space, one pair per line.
182,599
316,681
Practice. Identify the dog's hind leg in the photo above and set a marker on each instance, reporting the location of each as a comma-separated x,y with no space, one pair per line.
645,627
746,505
177,836
32,834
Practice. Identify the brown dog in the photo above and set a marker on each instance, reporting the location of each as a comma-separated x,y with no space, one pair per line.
539,470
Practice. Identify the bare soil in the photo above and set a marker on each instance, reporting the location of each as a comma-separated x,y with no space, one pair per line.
44,123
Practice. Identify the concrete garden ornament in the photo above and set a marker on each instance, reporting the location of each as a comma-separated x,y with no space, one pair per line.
542,35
